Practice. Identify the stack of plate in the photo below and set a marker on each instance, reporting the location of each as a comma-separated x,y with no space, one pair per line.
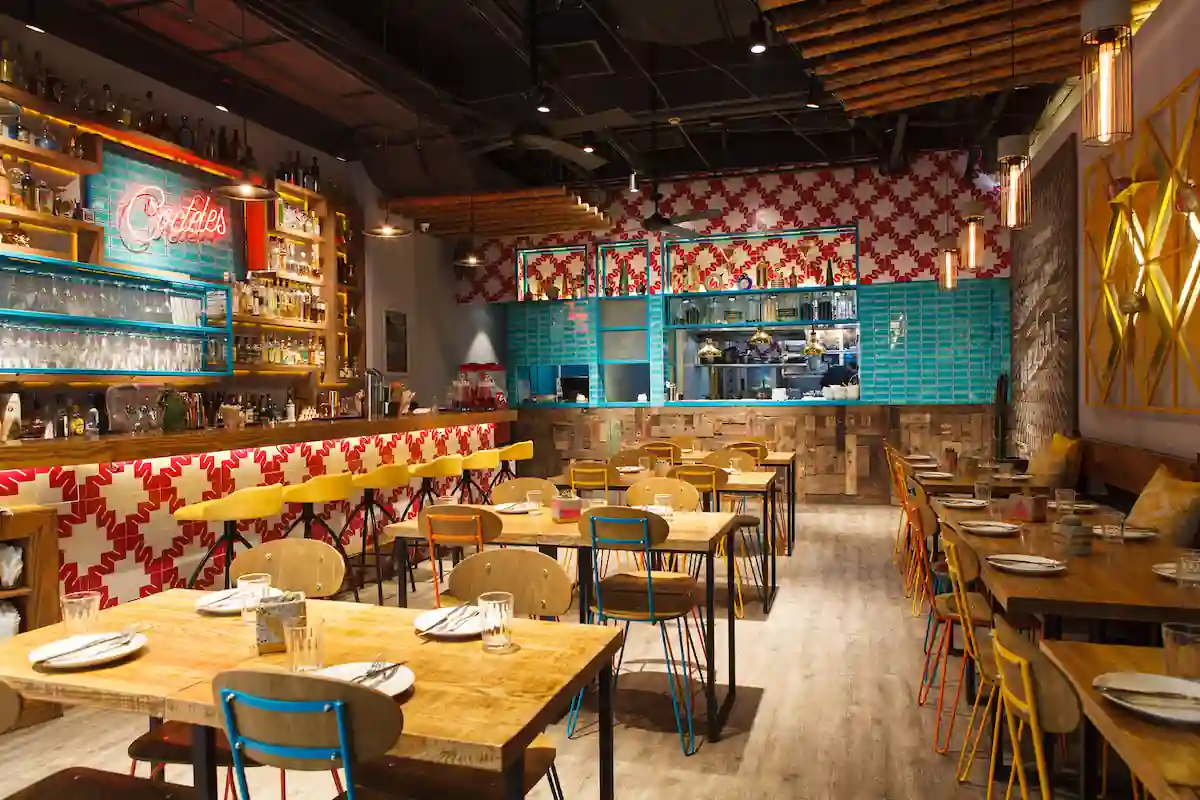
1157,696
990,528
1022,564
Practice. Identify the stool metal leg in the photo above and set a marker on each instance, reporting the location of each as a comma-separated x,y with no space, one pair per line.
228,538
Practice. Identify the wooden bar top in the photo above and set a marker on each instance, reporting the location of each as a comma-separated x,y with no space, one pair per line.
27,453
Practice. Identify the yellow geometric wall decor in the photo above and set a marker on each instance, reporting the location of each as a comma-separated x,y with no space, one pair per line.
1141,259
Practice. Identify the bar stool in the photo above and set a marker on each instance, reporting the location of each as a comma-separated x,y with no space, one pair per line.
429,471
509,455
321,489
255,502
381,479
471,486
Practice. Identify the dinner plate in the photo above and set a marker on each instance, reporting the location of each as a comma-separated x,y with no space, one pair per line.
1123,689
1078,505
925,465
1131,534
465,625
935,475
512,508
100,654
392,683
227,602
1167,569
989,528
1022,564
662,511
919,457
1020,476
964,502
628,470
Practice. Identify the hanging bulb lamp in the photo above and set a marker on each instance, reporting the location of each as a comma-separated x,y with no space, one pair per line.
708,351
465,255
1107,34
947,264
1013,155
970,244
761,338
386,230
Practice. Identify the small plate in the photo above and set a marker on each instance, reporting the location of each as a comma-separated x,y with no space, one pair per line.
466,626
935,475
628,470
227,602
1079,505
1167,569
1020,476
100,654
964,502
1110,685
919,457
512,508
1131,534
924,465
662,511
989,528
1022,564
396,683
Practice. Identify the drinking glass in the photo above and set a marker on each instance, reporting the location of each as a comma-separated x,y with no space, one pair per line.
1064,501
1181,650
1188,571
533,501
663,504
497,610
251,589
444,500
1113,528
79,611
305,644
646,463
983,491
595,502
1004,468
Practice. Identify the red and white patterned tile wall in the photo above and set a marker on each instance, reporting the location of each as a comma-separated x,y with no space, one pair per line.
116,531
899,218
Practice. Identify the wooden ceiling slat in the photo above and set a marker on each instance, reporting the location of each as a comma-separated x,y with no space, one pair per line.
542,210
903,101
975,14
467,199
1055,32
883,15
958,36
485,213
798,15
978,69
771,5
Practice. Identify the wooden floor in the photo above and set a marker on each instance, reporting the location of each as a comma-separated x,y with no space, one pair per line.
826,701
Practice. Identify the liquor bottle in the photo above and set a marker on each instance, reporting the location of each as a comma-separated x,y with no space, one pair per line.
28,188
36,429
77,425
165,130
148,122
222,146
74,145
21,131
109,107
236,154
38,83
62,421
186,137
249,162
289,410
7,67
829,272
83,102
91,425
210,145
58,88
314,175
46,139
201,142
20,74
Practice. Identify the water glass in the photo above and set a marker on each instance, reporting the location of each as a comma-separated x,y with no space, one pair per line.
444,500
646,463
664,504
983,491
1113,528
79,611
1188,571
251,589
497,611
1004,468
1064,501
305,642
533,501
1181,650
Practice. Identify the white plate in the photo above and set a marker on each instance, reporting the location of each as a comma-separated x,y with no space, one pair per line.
397,683
1131,534
964,502
662,511
986,528
1020,476
1167,569
628,470
469,624
512,508
919,457
1079,505
227,602
100,654
1022,564
1159,708
924,465
935,475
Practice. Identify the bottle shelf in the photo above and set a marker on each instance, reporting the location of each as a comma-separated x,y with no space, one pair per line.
78,380
49,158
733,326
75,320
299,236
287,276
294,191
249,321
276,369
37,219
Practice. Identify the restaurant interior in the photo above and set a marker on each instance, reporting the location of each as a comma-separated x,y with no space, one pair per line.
597,398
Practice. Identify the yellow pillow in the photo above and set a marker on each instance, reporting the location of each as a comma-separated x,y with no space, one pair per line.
1169,505
1058,462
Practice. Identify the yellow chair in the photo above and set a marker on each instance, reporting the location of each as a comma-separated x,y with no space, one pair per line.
631,458
685,441
735,459
455,527
709,481
664,451
439,469
509,455
385,479
321,489
471,486
756,449
684,496
255,502
593,476
516,490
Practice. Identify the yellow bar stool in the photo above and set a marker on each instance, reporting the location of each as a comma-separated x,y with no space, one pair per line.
375,513
428,472
472,488
322,489
255,502
509,456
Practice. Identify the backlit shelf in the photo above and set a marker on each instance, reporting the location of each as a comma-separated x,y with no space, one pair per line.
38,219
288,276
299,236
76,320
298,192
49,158
248,321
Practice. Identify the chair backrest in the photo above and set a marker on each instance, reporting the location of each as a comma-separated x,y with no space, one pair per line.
756,449
304,722
539,585
919,500
684,496
295,565
686,441
515,490
705,477
459,525
630,458
517,451
387,477
622,528
593,475
959,586
737,459
1033,687
10,707
664,449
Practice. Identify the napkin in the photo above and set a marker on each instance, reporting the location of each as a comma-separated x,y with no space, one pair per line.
11,564
10,620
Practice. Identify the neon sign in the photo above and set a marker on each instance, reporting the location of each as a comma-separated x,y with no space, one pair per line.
145,217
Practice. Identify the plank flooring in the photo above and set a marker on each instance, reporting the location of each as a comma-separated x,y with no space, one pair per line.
826,701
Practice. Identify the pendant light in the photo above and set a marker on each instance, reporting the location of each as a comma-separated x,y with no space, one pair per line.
761,338
947,256
465,254
250,189
708,351
1107,33
970,245
1015,204
386,230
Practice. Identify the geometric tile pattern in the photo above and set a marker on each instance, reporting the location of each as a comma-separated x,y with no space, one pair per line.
899,219
116,531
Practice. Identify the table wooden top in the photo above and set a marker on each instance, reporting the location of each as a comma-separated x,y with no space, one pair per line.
1165,758
467,707
758,481
1114,582
691,531
1001,484
775,458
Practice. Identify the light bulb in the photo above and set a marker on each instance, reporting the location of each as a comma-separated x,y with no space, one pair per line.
1107,55
246,189
758,48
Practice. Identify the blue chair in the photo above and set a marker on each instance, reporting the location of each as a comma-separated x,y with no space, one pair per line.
646,595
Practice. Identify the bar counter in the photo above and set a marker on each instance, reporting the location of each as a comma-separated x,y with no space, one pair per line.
30,453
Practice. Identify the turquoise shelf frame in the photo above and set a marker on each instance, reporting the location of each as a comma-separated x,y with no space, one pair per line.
602,251
521,277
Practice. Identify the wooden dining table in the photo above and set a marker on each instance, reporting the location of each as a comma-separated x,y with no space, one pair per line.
1115,582
776,459
696,532
444,717
1165,758
960,483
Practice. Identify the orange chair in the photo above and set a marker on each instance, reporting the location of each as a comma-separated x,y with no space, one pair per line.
455,527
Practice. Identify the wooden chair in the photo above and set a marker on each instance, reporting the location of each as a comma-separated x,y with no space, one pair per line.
455,527
593,476
631,458
295,565
684,496
686,441
664,450
539,586
752,448
516,490
896,476
736,459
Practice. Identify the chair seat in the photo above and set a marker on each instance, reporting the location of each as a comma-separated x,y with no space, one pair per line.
321,489
987,661
981,611
82,783
391,778
255,502
171,743
624,595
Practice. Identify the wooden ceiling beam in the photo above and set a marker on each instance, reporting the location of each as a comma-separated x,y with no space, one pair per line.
493,213
817,27
958,36
884,104
990,67
467,199
771,5
797,15
976,14
1046,34
528,229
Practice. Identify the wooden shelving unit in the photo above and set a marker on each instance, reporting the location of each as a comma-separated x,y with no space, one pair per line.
241,320
51,158
37,219
287,276
299,236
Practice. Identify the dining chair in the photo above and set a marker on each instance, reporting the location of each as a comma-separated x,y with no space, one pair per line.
686,441
539,585
664,450
631,458
517,490
963,566
652,596
380,482
84,783
455,527
752,448
898,478
593,476
735,459
321,489
684,496
510,454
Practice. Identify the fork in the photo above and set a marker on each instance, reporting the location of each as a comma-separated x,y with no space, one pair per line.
456,616
99,645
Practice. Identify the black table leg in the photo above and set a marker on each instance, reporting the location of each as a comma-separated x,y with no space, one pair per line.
769,564
400,548
710,646
514,778
791,505
1052,627
157,768
607,721
204,762
723,714
1089,760
583,562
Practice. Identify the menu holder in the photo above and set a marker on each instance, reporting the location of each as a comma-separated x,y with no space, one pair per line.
274,613
566,509
1027,508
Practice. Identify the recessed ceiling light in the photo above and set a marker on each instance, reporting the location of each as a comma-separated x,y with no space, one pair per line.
223,108
758,48
587,148
34,28
339,158
543,108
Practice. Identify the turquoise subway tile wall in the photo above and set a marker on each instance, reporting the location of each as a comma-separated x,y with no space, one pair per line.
922,345
151,220
553,334
656,337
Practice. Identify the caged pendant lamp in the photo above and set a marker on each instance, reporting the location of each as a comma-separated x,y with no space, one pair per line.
947,261
1106,27
971,244
1013,154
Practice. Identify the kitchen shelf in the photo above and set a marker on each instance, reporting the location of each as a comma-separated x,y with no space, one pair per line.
15,250
837,287
49,158
276,369
38,219
106,322
722,326
248,321
288,276
299,236
80,381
